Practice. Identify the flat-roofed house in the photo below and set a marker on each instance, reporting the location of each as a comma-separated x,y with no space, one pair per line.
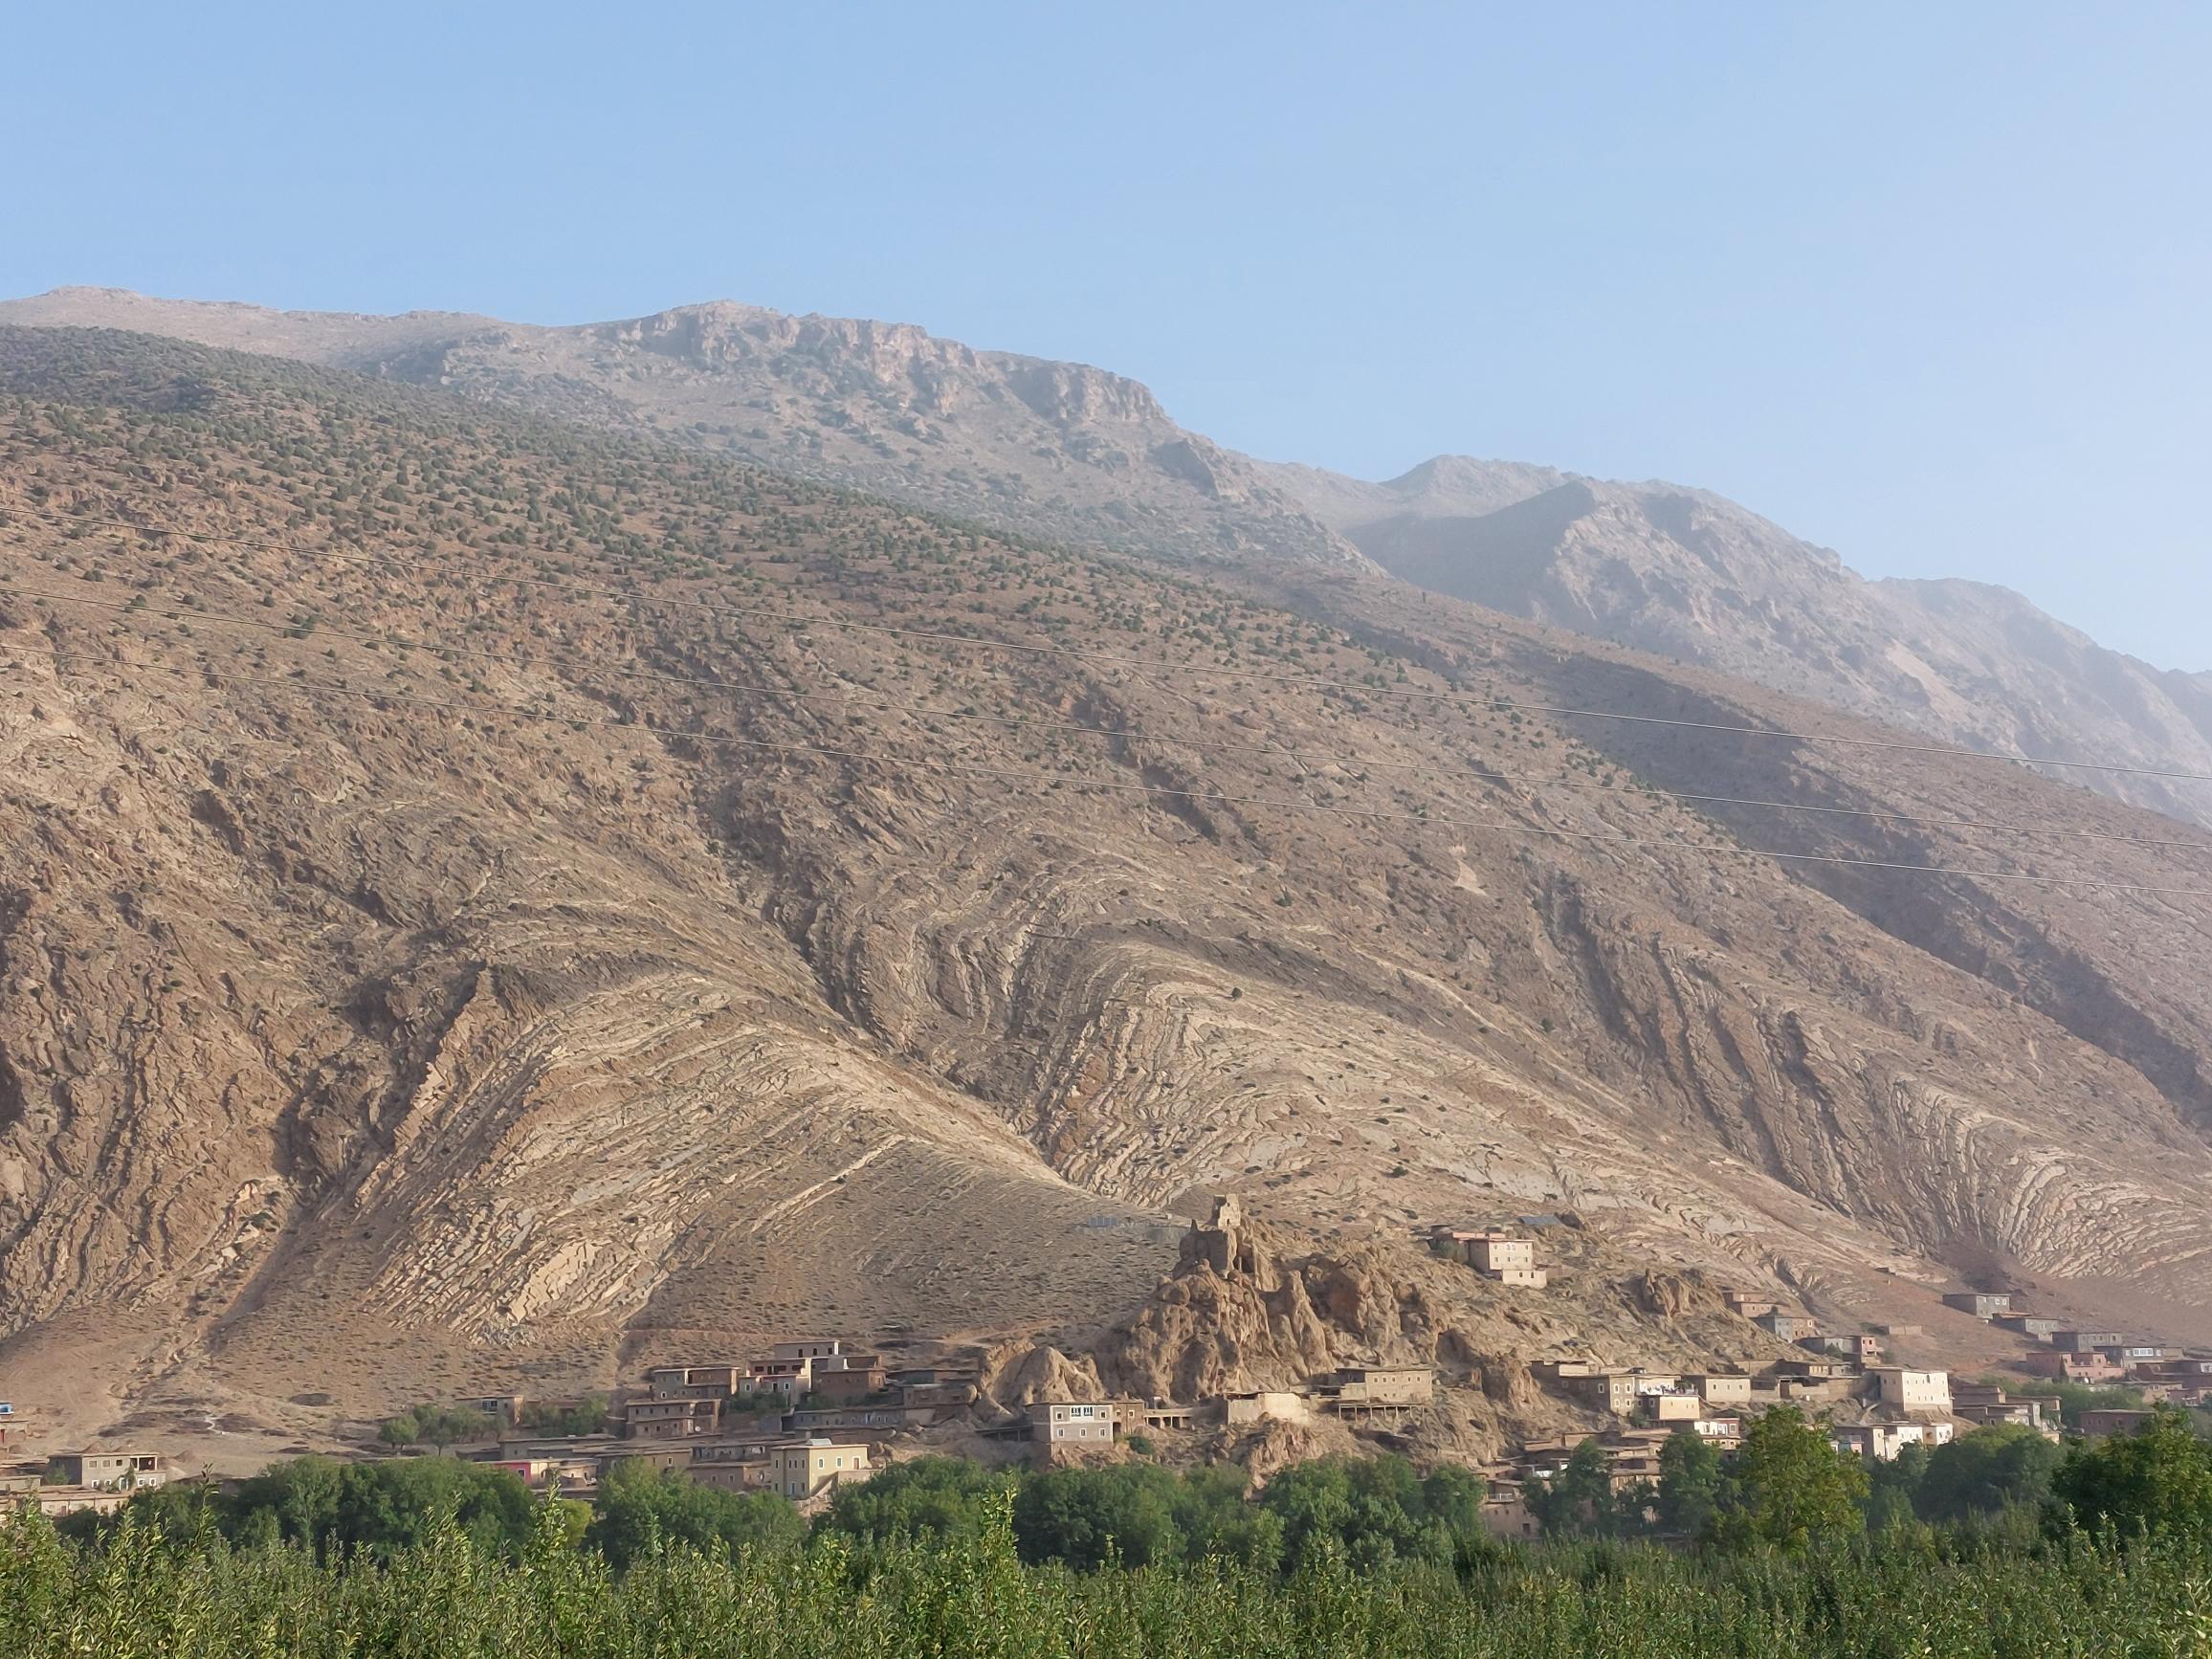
1912,1391
2065,1367
844,1379
1671,1407
671,1419
806,1468
1982,1304
1071,1422
1388,1384
2100,1424
1721,1387
694,1382
109,1471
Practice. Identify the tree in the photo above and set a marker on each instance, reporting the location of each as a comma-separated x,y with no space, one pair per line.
1690,1484
1366,1513
1580,1499
2156,1479
1088,1516
1986,1471
441,1426
587,1416
395,1504
933,1498
639,1507
1893,1494
1793,1488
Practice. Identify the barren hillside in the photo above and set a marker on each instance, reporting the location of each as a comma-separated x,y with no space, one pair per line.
1020,444
1690,575
1075,453
479,895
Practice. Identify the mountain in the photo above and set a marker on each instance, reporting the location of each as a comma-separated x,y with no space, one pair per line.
486,901
1692,575
1018,444
1068,453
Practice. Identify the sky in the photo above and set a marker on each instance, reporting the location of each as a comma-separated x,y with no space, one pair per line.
1928,285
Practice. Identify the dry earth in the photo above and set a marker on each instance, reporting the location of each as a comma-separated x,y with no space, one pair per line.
1072,453
487,902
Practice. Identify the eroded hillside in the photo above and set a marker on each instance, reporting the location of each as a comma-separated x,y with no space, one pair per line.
1690,575
1076,454
478,893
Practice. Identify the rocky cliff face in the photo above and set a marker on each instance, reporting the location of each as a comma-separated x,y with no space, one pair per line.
1693,576
483,899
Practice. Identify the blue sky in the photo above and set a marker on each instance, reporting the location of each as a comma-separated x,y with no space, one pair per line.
1928,285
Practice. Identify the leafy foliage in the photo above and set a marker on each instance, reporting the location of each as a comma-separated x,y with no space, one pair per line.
2158,1479
137,1592
1792,1487
438,1426
641,1509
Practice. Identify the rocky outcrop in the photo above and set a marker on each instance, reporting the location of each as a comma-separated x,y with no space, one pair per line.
1019,1375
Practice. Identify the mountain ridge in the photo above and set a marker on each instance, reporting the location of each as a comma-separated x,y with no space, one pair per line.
1067,451
1687,573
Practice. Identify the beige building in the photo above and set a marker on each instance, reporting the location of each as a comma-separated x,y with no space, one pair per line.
1616,1391
1387,1385
1072,1422
1262,1404
694,1382
810,1467
1883,1441
671,1419
1906,1390
816,1349
1672,1408
1721,1387
108,1470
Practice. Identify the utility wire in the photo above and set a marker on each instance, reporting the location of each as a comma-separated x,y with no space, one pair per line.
1124,734
1316,682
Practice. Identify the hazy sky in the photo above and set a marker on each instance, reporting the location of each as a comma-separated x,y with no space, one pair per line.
1928,284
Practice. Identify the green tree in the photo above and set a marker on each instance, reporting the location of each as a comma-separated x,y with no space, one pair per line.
1792,1487
397,1504
1986,1471
640,1509
2156,1479
944,1498
1690,1484
1894,1489
299,1498
586,1416
1363,1513
440,1425
1088,1516
1578,1501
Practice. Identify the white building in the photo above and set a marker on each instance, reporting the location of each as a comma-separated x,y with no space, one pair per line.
1906,1390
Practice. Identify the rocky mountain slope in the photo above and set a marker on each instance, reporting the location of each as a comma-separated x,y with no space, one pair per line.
1070,453
1693,576
1020,444
485,899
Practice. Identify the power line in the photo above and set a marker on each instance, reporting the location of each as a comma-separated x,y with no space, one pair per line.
1201,797
1316,682
1125,734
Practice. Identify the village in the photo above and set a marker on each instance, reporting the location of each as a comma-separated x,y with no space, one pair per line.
810,1417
